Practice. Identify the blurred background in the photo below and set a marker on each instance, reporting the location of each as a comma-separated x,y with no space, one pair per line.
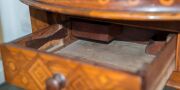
14,23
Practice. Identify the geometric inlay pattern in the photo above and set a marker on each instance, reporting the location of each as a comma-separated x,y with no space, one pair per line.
40,73
28,69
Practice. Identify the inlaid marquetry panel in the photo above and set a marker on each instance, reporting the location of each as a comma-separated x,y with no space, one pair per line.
29,69
39,72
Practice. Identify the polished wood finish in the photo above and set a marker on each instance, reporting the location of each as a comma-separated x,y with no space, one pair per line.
172,26
39,19
156,69
113,9
174,80
29,68
94,30
40,37
178,53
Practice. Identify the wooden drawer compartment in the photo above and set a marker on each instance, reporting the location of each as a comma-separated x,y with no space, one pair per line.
86,65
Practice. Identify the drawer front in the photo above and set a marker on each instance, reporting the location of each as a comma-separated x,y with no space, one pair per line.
30,69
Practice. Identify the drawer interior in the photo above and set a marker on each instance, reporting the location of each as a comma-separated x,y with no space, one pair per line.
148,54
125,51
126,56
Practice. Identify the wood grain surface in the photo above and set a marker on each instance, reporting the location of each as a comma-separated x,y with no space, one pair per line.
30,69
113,9
39,19
178,53
174,80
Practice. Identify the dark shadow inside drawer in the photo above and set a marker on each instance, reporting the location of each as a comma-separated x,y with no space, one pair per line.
124,55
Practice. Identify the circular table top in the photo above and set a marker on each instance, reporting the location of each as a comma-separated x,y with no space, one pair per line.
142,10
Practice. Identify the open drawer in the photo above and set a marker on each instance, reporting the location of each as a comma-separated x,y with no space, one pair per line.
85,64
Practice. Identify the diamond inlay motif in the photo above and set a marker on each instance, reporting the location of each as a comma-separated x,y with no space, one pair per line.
40,73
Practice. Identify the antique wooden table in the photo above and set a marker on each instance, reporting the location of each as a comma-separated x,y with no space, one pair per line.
56,56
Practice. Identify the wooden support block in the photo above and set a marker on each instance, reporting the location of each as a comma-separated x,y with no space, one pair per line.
94,30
